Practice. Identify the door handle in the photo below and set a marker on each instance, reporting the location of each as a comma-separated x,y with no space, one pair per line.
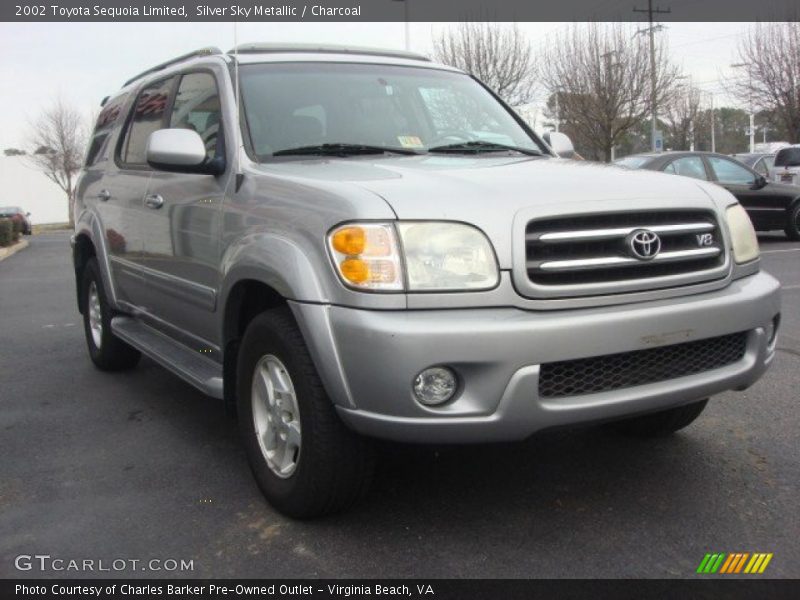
104,195
153,201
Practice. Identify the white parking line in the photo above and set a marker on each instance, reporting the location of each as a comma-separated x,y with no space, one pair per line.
790,287
780,251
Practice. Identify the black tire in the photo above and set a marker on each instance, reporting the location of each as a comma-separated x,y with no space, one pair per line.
661,423
793,226
334,465
111,354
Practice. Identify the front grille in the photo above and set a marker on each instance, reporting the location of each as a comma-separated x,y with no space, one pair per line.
640,367
583,250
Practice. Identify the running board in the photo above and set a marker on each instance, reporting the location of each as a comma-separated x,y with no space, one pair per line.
200,371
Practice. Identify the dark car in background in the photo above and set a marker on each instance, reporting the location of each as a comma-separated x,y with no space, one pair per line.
760,162
15,213
770,205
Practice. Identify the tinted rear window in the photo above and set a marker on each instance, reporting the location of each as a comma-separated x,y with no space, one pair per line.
788,157
106,120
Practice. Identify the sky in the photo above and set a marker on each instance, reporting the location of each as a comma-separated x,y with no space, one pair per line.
83,62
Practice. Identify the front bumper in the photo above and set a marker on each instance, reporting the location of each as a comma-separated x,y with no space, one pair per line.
369,359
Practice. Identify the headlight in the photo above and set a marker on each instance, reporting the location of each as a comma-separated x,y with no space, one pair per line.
743,236
447,257
438,256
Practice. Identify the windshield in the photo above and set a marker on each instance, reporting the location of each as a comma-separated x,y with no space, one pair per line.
297,105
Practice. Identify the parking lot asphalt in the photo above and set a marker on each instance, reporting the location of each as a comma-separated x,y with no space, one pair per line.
139,465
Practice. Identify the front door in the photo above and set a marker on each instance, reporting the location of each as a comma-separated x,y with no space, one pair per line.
181,219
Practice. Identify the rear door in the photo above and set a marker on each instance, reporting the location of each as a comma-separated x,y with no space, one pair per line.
126,187
181,220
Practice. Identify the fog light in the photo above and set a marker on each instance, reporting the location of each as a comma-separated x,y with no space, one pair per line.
435,386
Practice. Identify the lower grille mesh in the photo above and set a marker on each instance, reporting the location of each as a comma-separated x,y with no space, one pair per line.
640,367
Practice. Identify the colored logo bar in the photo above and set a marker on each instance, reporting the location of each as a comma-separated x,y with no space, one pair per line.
735,562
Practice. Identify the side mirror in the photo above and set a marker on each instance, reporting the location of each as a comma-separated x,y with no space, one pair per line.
760,182
560,144
179,151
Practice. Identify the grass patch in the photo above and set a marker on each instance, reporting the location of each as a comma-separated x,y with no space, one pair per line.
50,227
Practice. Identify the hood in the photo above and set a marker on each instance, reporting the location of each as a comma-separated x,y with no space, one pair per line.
489,191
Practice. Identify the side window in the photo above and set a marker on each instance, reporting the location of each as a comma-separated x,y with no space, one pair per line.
728,171
98,146
148,116
197,107
688,166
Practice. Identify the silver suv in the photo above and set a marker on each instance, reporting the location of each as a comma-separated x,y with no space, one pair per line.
375,246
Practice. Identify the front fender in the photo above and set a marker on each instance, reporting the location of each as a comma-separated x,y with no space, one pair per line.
275,261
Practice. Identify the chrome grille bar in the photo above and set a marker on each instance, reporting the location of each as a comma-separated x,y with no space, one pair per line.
602,234
620,261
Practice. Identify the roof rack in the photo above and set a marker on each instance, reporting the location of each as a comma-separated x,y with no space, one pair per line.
266,48
210,50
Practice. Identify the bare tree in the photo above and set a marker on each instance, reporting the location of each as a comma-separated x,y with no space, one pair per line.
680,115
601,73
499,56
56,145
771,52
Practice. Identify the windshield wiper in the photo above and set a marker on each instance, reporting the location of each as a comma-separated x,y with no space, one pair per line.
477,147
339,149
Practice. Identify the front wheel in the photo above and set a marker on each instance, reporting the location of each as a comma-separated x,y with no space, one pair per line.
306,462
661,423
793,226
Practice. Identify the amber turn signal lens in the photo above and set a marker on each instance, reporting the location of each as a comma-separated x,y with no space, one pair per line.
354,270
350,240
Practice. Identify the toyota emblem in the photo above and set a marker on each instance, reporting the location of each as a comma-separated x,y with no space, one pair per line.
643,244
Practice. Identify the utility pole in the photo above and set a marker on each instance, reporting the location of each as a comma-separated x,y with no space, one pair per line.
713,127
610,85
407,23
752,131
689,90
651,29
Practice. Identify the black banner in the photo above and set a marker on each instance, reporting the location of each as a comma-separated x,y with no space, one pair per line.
397,10
438,589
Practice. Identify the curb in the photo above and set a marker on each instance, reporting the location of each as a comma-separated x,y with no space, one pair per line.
6,252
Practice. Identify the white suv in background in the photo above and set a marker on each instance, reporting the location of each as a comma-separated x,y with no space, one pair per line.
787,165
